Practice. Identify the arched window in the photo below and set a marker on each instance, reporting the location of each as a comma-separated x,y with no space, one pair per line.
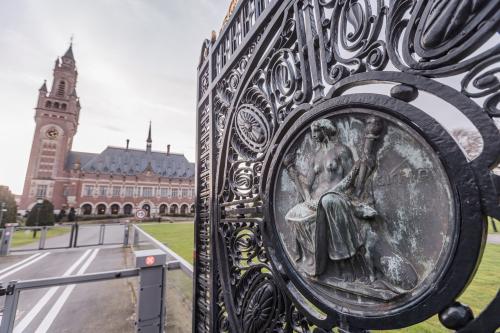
192,209
184,209
86,209
127,209
48,104
56,105
61,88
163,209
147,208
101,209
115,209
174,209
63,106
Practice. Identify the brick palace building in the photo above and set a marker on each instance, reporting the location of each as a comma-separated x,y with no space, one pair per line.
115,181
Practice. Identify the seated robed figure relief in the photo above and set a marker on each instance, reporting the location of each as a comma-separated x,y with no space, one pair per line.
334,242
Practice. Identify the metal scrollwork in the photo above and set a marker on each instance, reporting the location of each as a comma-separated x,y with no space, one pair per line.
486,82
350,32
311,191
244,179
436,35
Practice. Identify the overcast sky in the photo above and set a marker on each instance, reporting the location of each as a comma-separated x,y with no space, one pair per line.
136,61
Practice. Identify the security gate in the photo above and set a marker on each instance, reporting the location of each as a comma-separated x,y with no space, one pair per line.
66,236
331,192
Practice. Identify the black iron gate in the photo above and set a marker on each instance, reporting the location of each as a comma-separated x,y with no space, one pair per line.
333,187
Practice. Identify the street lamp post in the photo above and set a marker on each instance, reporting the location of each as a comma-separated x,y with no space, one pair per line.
39,202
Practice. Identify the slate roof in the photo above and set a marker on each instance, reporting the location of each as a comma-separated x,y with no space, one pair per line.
122,161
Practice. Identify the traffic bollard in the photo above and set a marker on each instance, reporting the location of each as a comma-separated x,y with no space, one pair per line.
150,306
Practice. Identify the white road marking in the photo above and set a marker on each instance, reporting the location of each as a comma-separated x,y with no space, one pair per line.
26,264
20,263
56,308
46,298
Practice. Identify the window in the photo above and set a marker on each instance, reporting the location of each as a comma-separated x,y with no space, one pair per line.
147,192
63,106
129,191
41,191
174,192
61,88
116,191
184,192
164,192
88,190
103,191
56,105
48,104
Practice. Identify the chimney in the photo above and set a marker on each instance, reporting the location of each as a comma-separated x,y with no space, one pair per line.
168,149
128,141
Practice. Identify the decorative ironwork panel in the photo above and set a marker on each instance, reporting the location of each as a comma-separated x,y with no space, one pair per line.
331,191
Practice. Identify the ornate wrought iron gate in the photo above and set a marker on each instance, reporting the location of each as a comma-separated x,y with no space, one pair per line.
330,190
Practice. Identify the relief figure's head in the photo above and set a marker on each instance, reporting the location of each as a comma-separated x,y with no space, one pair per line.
374,126
323,130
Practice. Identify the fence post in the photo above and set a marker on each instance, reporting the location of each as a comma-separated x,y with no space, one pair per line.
6,239
75,235
150,306
126,234
71,235
10,307
43,237
101,234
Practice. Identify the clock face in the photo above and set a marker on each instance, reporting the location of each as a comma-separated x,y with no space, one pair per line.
52,133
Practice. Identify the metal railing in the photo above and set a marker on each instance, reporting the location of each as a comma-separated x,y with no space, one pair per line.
77,236
151,269
141,238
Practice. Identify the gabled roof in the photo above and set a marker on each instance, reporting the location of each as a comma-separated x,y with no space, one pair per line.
130,162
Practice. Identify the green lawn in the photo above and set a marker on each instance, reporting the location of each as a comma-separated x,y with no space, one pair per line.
179,237
25,237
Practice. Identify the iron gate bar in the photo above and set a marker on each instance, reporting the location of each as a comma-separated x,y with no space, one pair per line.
73,237
73,279
43,238
100,236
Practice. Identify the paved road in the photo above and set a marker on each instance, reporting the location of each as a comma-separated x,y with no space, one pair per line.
97,307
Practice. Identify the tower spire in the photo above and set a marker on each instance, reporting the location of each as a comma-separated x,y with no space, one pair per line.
149,141
43,88
69,53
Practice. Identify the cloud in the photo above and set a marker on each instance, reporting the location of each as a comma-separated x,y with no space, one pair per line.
136,60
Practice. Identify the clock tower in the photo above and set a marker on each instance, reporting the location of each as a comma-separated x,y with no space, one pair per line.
56,118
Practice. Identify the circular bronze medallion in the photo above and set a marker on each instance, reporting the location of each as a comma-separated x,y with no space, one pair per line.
364,215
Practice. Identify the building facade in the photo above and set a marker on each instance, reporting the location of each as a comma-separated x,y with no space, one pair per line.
119,180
